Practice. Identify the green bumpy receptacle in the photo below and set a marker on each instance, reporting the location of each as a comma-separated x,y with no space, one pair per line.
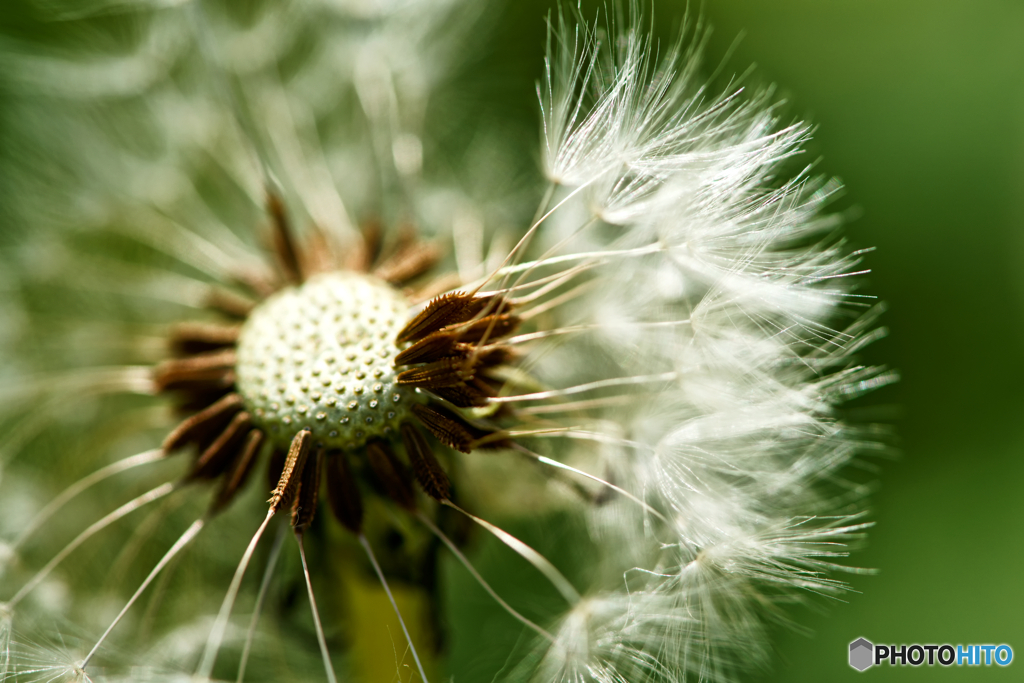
320,356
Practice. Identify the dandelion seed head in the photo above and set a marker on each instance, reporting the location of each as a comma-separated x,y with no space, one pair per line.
339,327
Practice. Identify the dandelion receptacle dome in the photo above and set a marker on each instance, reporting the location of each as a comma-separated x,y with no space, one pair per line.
321,357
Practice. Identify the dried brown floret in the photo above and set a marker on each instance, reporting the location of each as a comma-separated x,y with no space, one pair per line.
447,372
487,328
215,459
435,346
447,427
181,373
429,473
287,485
187,339
207,420
408,263
390,473
464,395
448,309
304,509
229,303
241,467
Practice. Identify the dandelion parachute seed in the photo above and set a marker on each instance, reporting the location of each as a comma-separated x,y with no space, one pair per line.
658,354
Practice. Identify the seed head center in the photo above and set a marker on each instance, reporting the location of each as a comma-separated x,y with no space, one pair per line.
320,357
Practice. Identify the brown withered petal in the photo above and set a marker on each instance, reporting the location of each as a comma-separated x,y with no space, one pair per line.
490,356
208,419
210,380
218,455
429,473
230,304
188,339
408,263
241,468
447,427
489,327
391,474
447,309
177,372
433,347
304,508
363,257
284,492
320,253
447,372
465,395
257,281
343,493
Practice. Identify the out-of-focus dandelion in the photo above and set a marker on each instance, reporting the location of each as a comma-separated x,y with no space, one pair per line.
229,245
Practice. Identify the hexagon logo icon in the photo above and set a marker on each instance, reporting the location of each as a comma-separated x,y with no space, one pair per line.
862,654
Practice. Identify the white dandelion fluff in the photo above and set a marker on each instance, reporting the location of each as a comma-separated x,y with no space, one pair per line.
230,251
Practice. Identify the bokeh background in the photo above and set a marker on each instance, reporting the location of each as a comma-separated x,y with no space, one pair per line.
919,107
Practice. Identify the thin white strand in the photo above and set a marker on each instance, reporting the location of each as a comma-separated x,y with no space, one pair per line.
327,208
285,139
205,42
533,229
514,433
394,605
213,642
142,531
378,99
183,541
541,281
181,243
542,564
554,249
561,465
559,300
599,437
549,192
532,336
328,667
136,379
110,277
590,386
130,506
479,579
558,282
275,553
580,256
563,277
83,484
200,213
572,406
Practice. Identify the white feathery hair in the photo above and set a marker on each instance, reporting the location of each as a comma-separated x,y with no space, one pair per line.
716,288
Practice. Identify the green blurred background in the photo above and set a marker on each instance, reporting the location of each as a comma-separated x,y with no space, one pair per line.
920,107
920,111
